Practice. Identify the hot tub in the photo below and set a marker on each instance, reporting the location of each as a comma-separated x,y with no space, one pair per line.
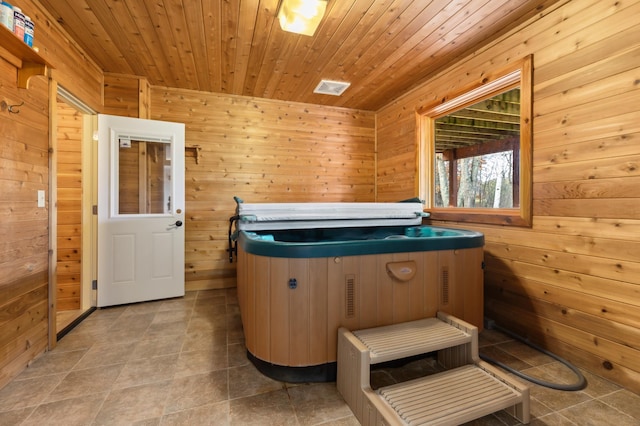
297,286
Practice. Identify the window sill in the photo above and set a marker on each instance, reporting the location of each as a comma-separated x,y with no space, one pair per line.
509,217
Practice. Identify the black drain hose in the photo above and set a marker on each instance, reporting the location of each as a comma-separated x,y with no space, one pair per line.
579,385
233,244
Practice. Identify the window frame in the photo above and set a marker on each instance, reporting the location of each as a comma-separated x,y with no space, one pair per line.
518,74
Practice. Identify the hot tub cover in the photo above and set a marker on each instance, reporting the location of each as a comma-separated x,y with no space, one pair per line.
268,216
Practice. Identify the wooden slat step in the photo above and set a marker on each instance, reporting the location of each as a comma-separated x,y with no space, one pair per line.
451,397
411,338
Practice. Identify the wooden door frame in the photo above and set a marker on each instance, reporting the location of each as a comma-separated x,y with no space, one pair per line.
53,211
89,193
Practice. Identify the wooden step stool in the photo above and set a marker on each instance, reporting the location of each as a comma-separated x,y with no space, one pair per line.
468,389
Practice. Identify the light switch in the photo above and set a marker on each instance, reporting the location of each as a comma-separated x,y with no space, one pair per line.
40,198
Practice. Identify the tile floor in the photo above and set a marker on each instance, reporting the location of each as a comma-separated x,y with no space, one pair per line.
182,362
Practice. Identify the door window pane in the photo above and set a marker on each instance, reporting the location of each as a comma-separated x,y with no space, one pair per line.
144,177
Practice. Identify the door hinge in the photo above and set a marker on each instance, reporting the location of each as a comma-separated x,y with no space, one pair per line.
94,285
94,209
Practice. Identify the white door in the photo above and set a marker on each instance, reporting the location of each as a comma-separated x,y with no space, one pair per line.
140,210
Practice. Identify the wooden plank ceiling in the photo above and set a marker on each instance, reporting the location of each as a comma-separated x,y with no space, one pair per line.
382,47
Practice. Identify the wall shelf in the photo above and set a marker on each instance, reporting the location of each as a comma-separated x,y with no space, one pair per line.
28,62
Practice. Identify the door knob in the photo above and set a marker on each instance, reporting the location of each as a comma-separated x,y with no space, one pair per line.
178,223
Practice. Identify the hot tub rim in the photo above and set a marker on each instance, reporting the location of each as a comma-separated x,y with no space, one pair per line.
465,239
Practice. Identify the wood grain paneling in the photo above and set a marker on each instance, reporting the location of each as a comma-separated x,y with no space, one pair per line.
238,48
261,151
571,281
69,203
298,326
24,169
125,95
24,245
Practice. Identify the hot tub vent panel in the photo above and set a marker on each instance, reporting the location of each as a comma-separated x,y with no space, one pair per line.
444,283
350,295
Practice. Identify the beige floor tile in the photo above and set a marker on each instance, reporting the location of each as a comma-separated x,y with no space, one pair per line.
138,321
15,417
212,307
155,421
246,381
317,403
596,413
27,393
124,335
491,420
53,363
232,296
136,309
197,362
345,421
98,321
75,411
217,296
552,419
110,314
235,333
172,315
597,386
503,418
525,353
237,355
184,304
216,414
205,325
175,328
557,400
204,340
152,346
267,409
624,401
147,370
197,390
183,361
85,382
537,408
492,337
124,406
75,341
556,372
99,355
504,357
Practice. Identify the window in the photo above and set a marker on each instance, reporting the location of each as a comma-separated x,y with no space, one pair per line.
144,176
476,152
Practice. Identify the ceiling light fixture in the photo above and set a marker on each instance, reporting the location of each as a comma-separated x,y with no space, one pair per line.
301,16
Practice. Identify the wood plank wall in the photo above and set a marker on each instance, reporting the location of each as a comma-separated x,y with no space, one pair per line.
572,281
126,95
260,151
69,176
24,169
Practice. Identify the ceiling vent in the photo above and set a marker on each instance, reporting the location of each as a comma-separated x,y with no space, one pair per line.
329,87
